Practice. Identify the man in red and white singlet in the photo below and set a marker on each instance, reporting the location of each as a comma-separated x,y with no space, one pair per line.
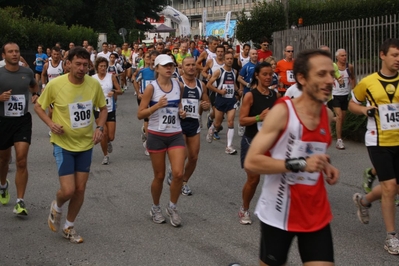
290,151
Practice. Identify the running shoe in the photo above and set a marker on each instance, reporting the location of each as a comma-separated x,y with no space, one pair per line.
340,145
156,214
109,147
54,218
245,217
368,180
145,147
169,176
209,135
105,160
209,120
216,135
392,244
174,216
241,131
362,211
186,190
4,195
20,208
70,233
230,150
143,135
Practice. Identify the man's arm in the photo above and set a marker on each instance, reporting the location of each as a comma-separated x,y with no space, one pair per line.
44,75
200,59
205,69
210,86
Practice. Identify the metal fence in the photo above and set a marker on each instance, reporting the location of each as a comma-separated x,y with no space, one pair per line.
360,38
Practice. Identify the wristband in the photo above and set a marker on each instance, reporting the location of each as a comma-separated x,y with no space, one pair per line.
295,164
257,118
35,93
43,86
370,112
248,85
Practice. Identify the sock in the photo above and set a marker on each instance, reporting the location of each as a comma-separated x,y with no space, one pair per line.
172,205
18,200
230,135
212,127
155,206
57,209
4,186
68,224
391,233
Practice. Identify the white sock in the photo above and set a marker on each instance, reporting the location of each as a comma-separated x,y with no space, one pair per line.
3,186
57,209
230,135
68,224
172,205
18,200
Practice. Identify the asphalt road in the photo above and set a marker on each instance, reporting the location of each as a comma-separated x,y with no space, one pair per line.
117,227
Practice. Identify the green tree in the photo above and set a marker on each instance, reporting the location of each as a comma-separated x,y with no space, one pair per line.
265,19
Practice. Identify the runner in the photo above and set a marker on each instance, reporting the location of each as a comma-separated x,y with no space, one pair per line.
161,103
380,92
194,95
225,101
284,70
255,106
41,59
111,88
244,57
16,84
144,77
73,96
290,151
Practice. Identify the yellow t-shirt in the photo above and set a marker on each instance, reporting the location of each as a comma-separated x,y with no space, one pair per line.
382,92
73,110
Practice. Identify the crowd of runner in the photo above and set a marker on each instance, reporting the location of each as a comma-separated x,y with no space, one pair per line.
285,108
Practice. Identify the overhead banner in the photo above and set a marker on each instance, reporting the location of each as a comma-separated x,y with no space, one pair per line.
217,28
227,24
204,14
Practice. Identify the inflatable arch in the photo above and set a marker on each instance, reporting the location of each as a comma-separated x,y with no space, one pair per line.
178,18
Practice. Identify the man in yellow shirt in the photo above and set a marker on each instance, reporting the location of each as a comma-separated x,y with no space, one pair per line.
73,96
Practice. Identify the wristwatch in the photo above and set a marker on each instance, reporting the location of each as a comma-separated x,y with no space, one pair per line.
100,128
296,164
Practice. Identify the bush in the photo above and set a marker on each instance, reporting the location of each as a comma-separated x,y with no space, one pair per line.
28,33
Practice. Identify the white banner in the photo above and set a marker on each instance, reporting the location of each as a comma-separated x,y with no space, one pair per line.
204,13
227,24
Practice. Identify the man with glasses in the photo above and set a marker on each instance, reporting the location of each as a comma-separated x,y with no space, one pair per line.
264,51
284,70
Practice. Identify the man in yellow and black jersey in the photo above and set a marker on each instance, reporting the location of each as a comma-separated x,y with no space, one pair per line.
380,91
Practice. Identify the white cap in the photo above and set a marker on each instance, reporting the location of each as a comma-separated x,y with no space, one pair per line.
163,59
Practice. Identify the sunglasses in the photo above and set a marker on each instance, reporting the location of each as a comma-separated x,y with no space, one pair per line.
290,51
265,45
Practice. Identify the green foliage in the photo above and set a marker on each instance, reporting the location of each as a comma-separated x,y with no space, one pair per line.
101,15
266,18
29,32
354,127
318,12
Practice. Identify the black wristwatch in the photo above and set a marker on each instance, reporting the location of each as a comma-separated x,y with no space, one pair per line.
36,93
100,128
295,164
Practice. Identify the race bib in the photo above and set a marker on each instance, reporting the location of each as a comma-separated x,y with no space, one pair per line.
39,62
109,102
290,76
229,90
304,149
145,83
80,114
259,124
191,107
15,106
389,116
168,118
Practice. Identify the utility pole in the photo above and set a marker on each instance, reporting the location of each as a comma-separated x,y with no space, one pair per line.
286,8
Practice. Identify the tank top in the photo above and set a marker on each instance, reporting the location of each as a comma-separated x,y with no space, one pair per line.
191,99
165,119
260,102
53,72
244,60
226,81
210,55
146,75
215,66
112,70
176,74
342,89
296,202
107,86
